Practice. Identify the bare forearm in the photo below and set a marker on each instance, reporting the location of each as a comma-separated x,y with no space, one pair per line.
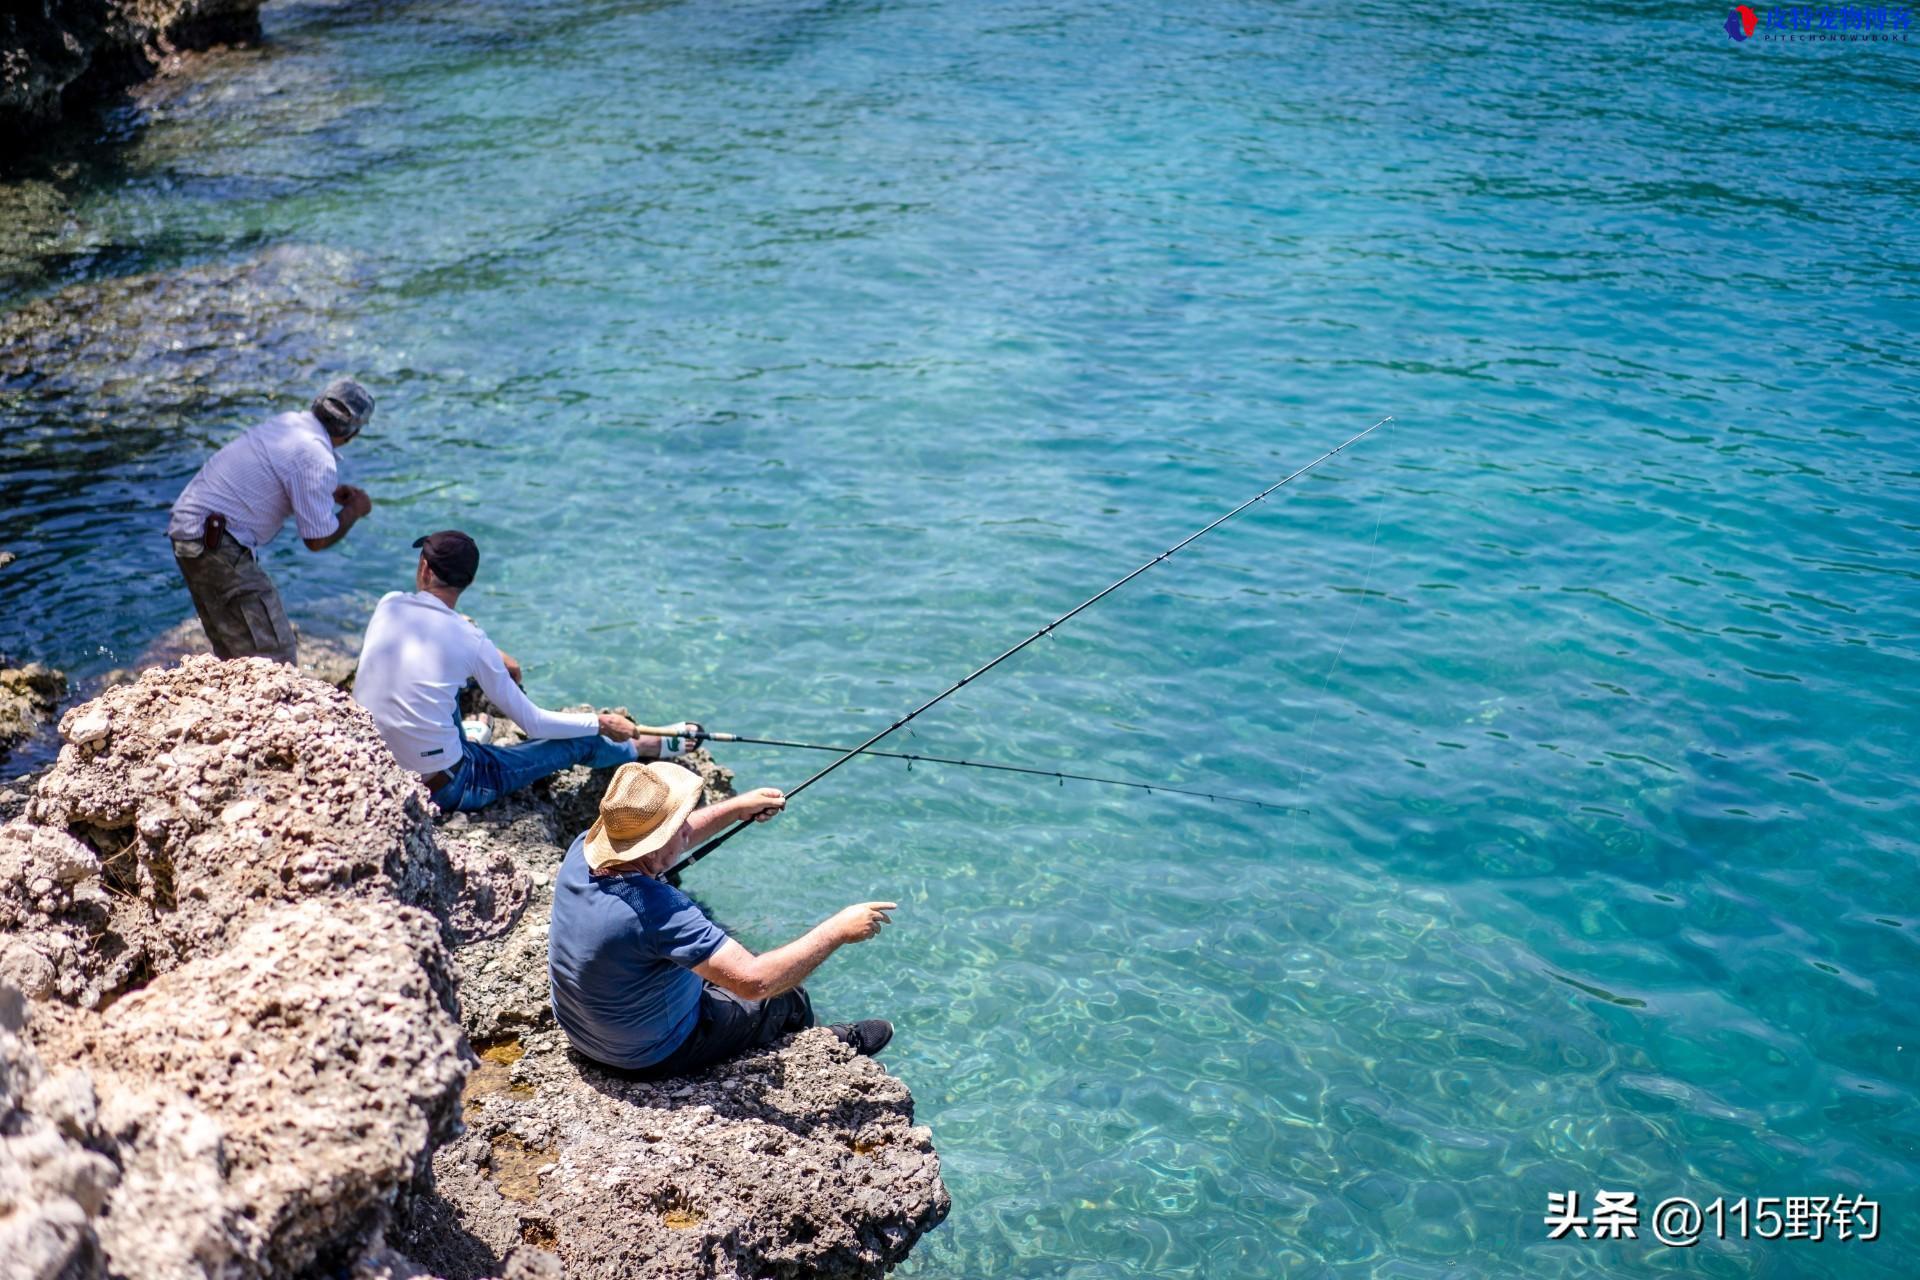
704,822
347,519
784,968
754,977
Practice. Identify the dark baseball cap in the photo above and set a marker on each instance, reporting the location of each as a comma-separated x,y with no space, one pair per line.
451,555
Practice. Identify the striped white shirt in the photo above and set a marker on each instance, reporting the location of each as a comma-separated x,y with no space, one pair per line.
283,467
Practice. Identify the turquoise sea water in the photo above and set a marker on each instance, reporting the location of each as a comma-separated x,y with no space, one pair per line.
788,360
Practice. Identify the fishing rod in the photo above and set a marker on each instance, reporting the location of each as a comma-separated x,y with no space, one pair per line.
975,674
1148,787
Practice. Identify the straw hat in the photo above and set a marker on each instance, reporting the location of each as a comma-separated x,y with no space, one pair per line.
643,808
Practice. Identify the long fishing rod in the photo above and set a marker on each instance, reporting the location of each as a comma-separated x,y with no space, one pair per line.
1148,787
975,674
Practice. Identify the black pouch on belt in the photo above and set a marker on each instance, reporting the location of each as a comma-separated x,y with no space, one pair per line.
215,527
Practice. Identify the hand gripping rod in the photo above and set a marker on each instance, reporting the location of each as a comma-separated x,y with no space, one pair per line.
971,676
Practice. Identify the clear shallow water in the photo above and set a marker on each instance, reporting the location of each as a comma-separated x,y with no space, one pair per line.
787,361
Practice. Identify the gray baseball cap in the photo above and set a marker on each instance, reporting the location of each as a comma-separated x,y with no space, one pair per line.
345,404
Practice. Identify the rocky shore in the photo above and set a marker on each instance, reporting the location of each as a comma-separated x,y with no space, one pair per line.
29,695
56,55
259,1015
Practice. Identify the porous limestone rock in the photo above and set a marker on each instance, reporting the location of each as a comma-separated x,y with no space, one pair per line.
233,913
52,1186
13,799
265,1105
53,909
324,655
802,1160
215,896
204,791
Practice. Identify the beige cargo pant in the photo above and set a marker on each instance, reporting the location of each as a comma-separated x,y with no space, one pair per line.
237,602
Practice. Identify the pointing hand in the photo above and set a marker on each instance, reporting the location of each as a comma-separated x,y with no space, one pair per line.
863,920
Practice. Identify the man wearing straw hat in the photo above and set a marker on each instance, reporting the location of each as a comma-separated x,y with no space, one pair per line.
644,984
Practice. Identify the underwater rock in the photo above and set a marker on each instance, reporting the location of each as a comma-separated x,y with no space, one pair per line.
57,54
29,695
119,368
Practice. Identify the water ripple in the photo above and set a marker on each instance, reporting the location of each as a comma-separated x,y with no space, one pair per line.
908,326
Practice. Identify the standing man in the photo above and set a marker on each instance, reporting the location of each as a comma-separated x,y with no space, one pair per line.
237,503
419,654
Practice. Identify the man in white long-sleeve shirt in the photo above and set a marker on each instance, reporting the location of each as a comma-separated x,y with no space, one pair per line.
417,657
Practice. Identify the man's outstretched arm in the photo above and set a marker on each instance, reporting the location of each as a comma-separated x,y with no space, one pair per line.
490,670
761,977
759,804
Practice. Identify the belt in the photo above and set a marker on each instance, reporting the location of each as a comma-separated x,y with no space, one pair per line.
435,781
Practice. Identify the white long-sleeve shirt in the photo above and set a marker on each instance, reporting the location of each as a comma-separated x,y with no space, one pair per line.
416,658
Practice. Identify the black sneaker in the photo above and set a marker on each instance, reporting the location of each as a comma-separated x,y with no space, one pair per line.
867,1037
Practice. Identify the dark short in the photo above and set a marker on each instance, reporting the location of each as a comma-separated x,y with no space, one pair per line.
726,1028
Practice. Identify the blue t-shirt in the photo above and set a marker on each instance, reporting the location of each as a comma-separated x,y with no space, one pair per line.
620,958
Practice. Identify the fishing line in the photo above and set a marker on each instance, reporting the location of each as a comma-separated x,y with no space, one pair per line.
1149,787
971,676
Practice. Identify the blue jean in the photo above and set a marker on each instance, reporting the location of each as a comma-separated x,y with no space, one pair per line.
485,772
